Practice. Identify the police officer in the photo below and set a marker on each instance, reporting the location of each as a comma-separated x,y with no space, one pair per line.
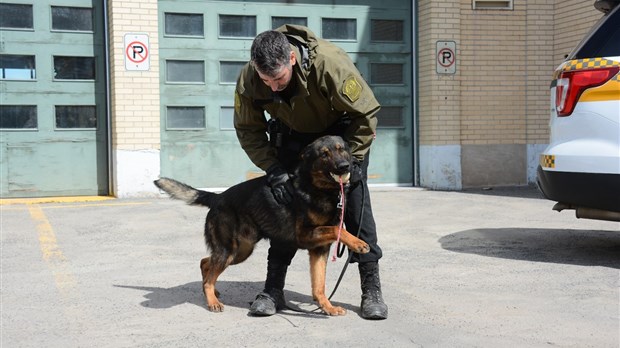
310,88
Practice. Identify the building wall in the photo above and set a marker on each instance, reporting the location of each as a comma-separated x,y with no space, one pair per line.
538,68
572,19
135,100
439,98
483,126
493,61
486,124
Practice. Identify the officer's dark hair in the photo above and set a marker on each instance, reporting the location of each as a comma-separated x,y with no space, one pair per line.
270,52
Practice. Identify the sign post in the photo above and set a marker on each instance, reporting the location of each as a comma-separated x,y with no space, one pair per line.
446,57
137,57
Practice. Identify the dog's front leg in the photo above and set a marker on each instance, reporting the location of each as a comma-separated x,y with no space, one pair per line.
325,235
318,265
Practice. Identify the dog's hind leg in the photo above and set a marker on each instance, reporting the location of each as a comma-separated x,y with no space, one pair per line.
318,264
204,264
212,269
209,277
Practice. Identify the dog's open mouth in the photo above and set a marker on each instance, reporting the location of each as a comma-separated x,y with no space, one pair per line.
344,177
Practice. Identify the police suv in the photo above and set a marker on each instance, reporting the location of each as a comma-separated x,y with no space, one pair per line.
580,169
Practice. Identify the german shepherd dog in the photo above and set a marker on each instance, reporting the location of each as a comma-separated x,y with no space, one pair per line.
247,212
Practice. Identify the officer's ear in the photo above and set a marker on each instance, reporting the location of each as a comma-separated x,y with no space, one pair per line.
293,58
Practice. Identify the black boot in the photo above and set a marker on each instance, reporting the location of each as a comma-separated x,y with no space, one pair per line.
268,302
373,306
271,299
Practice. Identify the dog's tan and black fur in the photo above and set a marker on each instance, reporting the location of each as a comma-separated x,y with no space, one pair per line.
247,212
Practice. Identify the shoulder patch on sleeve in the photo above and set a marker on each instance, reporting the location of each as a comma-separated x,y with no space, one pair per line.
352,89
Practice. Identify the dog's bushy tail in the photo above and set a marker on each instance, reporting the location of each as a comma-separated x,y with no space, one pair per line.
186,193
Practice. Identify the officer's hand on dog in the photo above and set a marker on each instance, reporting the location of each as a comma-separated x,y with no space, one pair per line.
280,183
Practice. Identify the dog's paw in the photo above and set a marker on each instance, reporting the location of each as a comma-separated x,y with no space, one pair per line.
360,247
334,310
216,307
213,304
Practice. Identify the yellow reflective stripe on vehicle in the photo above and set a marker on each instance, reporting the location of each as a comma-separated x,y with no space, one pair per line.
608,91
547,161
588,63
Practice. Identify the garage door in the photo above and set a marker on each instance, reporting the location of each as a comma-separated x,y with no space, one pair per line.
52,94
204,44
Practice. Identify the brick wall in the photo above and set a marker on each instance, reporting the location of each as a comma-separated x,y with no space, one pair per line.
503,69
538,68
492,60
495,108
439,95
136,133
135,94
572,19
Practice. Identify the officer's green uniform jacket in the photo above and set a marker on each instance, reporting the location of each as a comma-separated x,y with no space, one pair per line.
328,87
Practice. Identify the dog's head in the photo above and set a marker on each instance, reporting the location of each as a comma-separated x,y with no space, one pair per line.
328,162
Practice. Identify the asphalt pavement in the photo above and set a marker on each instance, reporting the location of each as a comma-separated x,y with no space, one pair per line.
479,268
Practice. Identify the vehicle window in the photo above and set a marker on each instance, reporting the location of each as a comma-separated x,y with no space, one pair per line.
605,41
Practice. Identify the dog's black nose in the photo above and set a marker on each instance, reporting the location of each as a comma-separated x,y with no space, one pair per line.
343,167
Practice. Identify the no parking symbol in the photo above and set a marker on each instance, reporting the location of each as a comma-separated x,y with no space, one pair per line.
446,57
137,56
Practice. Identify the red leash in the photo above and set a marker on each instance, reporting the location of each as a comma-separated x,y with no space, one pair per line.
341,205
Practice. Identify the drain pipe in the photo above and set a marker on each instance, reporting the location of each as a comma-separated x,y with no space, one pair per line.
415,147
108,99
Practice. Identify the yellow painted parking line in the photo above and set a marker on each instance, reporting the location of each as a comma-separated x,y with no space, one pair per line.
12,207
51,252
115,204
71,199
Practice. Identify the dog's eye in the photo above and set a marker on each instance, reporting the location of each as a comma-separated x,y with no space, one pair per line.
325,154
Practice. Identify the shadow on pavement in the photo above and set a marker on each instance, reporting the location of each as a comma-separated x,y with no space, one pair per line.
574,247
232,293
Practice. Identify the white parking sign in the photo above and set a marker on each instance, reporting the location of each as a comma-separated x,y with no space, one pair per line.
446,57
137,52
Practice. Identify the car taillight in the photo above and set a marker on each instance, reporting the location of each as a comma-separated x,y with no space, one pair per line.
571,84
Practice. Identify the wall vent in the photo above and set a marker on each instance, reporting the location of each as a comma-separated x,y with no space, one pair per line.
492,5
